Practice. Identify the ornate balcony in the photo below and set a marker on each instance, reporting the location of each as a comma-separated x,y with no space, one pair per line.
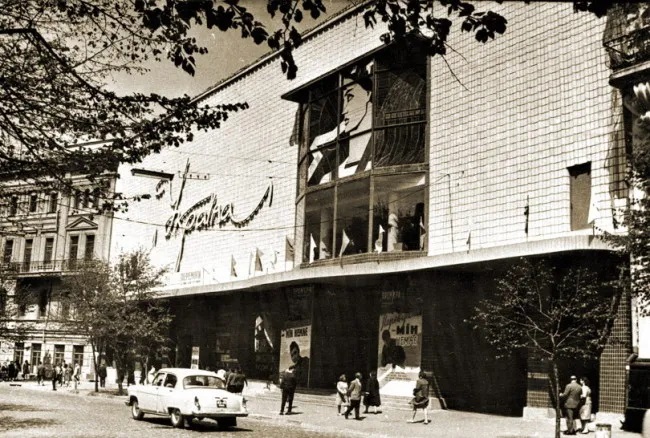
627,34
43,268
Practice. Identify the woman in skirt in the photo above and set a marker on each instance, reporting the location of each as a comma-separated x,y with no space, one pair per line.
421,397
372,397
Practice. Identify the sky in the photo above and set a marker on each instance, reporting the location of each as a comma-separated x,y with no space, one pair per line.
227,54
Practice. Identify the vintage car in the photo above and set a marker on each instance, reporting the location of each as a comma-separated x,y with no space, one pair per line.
183,394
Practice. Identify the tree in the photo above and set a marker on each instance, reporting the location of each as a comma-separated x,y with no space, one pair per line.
12,326
553,317
115,310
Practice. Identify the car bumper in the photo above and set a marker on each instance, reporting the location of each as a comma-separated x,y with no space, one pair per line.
203,414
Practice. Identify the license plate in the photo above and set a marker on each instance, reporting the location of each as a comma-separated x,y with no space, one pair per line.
222,403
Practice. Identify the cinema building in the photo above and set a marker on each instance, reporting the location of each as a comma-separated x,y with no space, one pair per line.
376,198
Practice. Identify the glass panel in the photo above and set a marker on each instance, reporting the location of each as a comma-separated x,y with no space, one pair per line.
323,129
398,213
8,251
352,217
27,256
319,221
355,136
90,247
49,247
401,112
322,163
54,200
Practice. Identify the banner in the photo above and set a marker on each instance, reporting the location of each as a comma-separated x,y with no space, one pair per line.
295,349
400,340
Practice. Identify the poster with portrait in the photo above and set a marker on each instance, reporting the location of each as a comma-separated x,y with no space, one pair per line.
295,349
400,340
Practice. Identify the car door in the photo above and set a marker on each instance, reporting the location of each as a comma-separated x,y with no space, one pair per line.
166,392
148,398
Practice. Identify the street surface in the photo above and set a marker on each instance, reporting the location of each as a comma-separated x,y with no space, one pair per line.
30,410
29,413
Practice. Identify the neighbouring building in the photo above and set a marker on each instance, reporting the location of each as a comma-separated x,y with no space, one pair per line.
350,219
47,234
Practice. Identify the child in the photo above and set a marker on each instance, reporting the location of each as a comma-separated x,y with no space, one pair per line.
341,393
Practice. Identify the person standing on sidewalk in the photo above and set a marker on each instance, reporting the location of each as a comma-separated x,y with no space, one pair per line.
67,374
354,391
571,397
421,397
288,383
26,370
56,373
77,375
585,405
372,397
40,373
101,373
341,393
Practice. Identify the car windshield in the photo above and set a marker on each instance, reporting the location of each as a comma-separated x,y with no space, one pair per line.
203,381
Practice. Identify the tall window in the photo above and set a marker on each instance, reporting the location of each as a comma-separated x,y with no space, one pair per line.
59,354
53,204
47,254
89,250
580,188
36,355
42,303
13,206
33,203
362,163
19,352
27,255
8,251
73,251
78,355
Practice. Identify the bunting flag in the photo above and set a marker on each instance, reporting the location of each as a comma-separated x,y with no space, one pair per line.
288,250
379,243
258,259
594,212
526,214
345,241
275,258
312,247
233,266
250,262
154,241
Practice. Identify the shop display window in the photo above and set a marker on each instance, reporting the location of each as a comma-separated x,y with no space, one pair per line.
319,225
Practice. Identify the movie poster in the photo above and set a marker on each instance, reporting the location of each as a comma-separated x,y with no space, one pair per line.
400,340
295,349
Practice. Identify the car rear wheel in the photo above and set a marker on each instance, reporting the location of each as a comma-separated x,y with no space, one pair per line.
177,419
136,413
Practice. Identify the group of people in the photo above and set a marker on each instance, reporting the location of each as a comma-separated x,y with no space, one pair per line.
349,396
61,373
577,405
10,370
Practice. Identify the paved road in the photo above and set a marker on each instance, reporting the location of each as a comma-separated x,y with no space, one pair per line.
28,413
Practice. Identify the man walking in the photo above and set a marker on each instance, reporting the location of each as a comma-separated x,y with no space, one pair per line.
76,375
288,383
354,390
571,397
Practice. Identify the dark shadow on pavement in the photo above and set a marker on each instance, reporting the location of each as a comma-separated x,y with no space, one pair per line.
10,423
21,408
197,426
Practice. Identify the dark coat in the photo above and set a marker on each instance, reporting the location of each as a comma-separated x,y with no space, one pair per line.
288,381
571,395
372,397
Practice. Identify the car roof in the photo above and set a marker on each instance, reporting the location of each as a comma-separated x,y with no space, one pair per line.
183,372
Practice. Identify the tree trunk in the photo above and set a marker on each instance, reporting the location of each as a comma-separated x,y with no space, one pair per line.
92,347
556,396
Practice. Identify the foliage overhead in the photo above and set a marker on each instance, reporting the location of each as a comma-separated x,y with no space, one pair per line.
115,309
57,116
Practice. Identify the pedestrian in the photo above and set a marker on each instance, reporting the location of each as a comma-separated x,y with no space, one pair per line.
26,370
236,382
67,374
221,379
10,370
571,397
55,375
40,373
101,373
76,375
341,393
371,396
152,373
585,405
420,398
18,369
288,383
354,394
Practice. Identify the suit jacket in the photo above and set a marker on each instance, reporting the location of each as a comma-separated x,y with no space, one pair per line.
355,390
571,395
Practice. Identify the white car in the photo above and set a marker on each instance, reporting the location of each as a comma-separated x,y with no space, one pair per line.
183,394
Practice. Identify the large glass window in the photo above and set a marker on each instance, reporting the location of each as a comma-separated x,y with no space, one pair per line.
362,161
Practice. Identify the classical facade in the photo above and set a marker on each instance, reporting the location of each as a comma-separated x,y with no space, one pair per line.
350,219
47,234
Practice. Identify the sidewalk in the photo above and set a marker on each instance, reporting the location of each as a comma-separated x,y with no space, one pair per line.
318,413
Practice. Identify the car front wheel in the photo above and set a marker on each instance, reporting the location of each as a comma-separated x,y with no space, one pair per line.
177,419
136,413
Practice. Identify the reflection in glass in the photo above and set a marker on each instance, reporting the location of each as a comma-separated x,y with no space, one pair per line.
398,213
319,221
352,217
